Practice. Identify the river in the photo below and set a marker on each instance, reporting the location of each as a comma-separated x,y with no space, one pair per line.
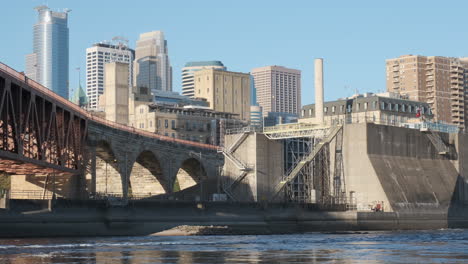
435,246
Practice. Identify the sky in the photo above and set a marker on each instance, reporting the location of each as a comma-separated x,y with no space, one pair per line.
353,37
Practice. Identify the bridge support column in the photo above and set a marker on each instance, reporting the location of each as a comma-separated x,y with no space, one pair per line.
170,173
90,177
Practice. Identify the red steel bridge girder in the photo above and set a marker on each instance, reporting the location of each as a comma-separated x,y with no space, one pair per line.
38,132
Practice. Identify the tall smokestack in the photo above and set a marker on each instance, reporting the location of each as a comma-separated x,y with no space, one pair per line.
319,91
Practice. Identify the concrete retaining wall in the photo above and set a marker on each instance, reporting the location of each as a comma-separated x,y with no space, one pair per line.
264,158
144,218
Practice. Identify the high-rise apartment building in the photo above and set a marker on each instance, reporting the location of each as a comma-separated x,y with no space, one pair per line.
278,89
188,84
48,64
152,69
96,58
440,81
224,91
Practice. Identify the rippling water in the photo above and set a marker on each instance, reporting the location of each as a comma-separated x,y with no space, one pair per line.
440,246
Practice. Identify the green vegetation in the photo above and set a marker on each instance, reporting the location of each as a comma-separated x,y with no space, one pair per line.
4,181
176,186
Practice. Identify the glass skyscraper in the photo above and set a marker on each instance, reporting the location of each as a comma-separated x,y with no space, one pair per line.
48,64
152,69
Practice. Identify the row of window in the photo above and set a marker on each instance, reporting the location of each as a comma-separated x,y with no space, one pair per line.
189,126
404,108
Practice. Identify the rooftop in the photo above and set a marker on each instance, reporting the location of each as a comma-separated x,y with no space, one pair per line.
204,63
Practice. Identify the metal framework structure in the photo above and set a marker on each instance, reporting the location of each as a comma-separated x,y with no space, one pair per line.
37,133
295,130
307,178
339,183
295,149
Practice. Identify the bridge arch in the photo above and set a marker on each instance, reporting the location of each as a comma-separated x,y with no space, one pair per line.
190,173
108,176
146,176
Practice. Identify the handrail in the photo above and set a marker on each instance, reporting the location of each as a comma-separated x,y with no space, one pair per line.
37,86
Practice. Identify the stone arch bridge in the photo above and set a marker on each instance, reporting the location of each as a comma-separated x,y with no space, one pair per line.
49,146
127,163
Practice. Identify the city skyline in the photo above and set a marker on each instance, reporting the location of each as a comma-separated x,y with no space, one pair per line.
48,63
347,40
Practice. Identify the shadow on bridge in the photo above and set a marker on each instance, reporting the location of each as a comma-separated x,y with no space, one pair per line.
147,176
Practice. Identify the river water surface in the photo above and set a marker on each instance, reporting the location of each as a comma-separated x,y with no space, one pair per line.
440,246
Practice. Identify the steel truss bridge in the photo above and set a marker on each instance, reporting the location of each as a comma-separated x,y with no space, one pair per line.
42,133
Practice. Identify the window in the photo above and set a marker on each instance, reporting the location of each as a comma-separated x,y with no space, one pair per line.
159,123
374,105
358,106
173,125
382,105
325,109
166,123
333,109
365,105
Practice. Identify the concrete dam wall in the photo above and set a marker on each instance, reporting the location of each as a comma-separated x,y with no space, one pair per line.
403,168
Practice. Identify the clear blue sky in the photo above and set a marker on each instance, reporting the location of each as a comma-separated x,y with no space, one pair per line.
353,37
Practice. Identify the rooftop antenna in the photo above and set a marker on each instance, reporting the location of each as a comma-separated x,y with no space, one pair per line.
120,41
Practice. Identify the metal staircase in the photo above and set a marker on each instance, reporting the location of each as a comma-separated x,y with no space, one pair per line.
238,141
438,143
243,168
316,150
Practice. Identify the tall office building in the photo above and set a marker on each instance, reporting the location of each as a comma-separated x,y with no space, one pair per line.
188,84
152,69
48,64
224,91
278,89
256,116
442,82
96,57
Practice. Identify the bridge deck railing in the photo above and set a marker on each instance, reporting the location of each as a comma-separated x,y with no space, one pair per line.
21,77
